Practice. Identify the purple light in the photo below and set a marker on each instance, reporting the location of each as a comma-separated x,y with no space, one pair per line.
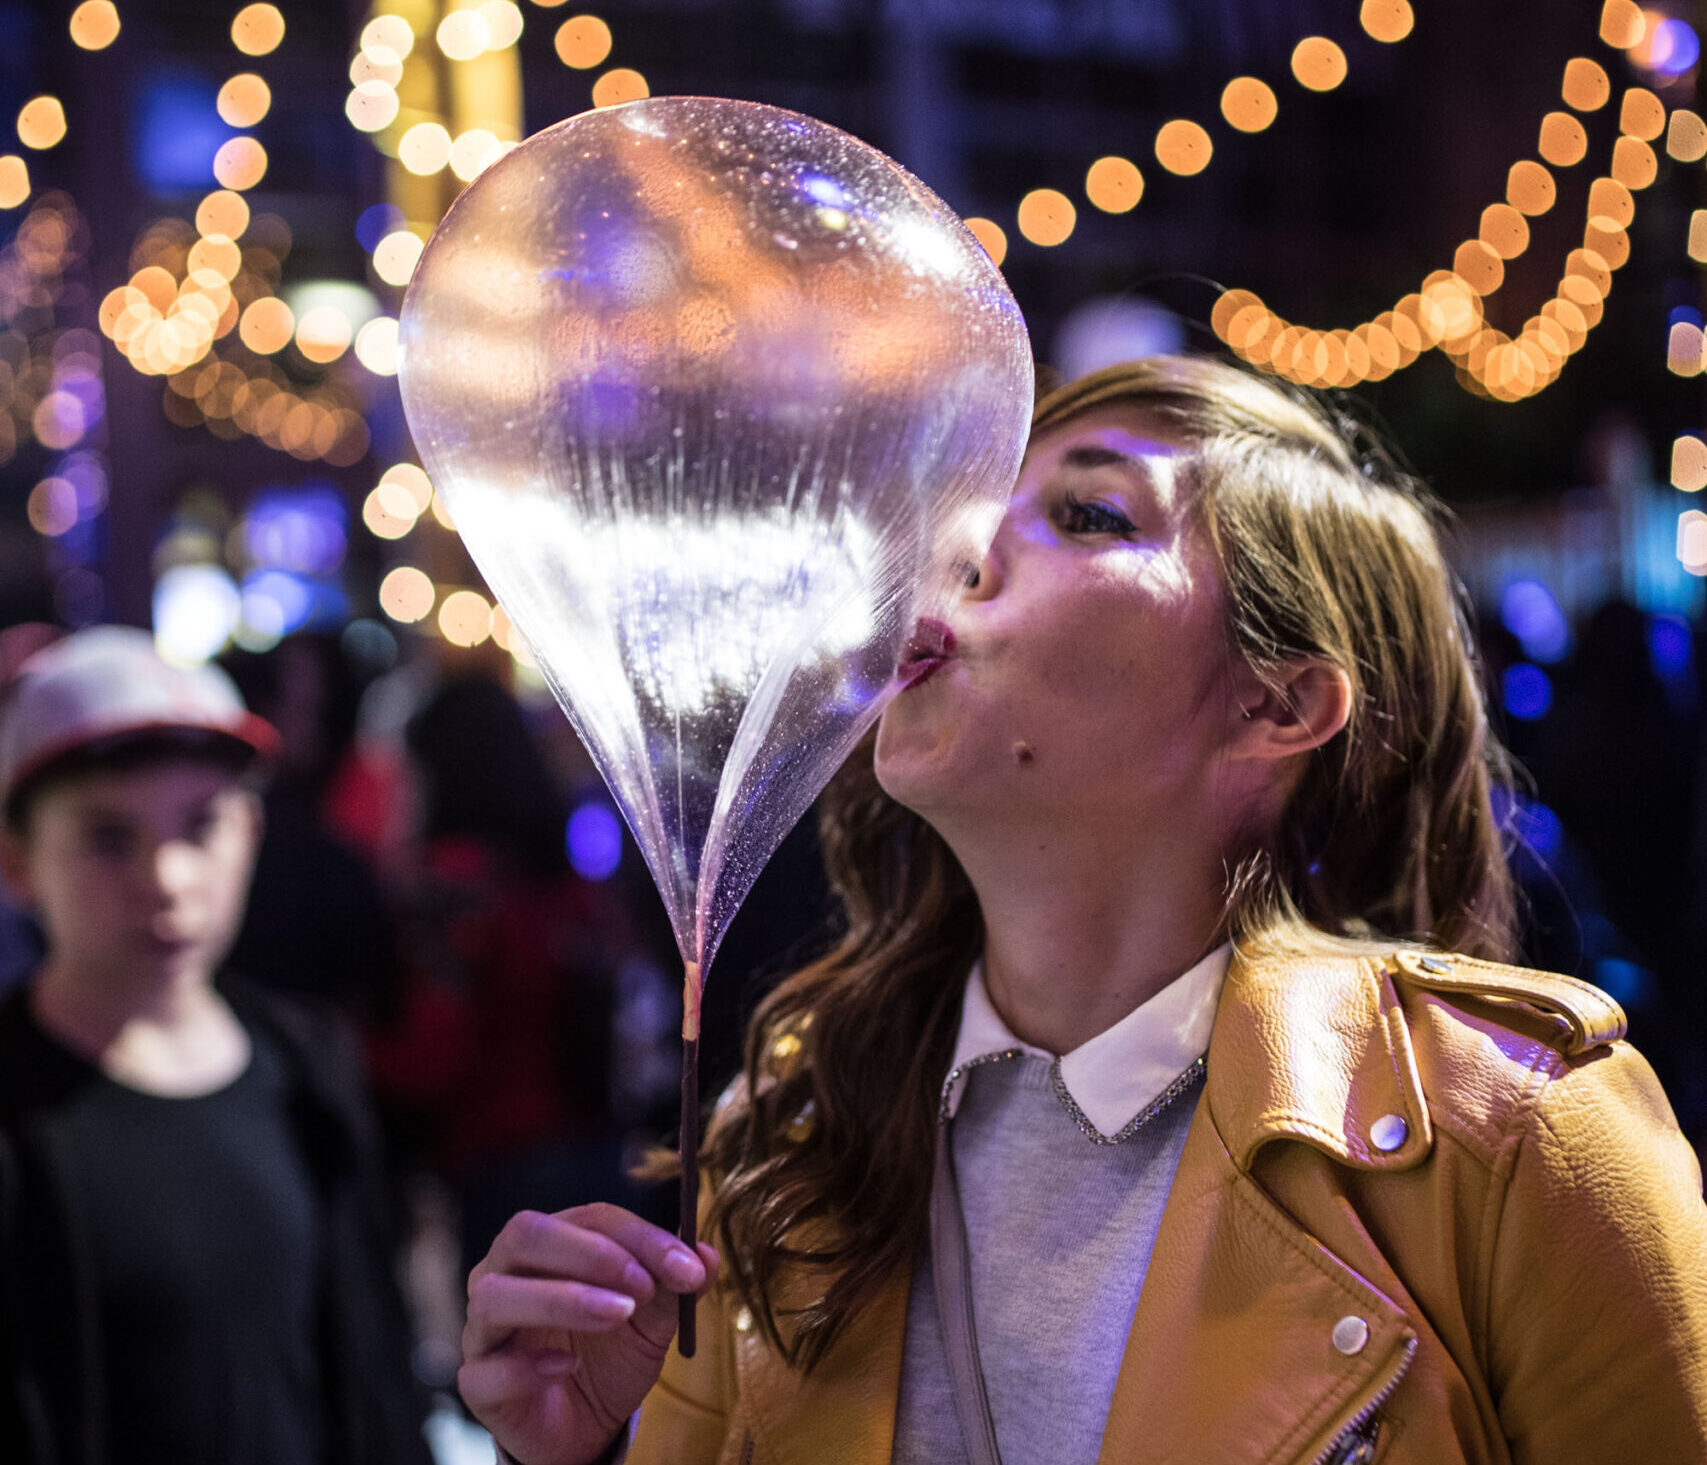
1532,614
303,531
594,840
375,223
1528,692
1674,47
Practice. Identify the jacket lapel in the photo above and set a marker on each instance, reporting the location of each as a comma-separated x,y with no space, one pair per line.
1231,1355
1313,1052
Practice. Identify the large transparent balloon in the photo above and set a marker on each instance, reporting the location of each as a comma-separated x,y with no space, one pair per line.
722,400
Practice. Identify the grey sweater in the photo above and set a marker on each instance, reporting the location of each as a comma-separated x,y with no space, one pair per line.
1059,1230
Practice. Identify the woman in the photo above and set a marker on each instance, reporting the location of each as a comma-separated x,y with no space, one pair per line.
1199,767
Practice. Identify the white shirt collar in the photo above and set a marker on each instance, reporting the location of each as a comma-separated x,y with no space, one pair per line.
1112,1076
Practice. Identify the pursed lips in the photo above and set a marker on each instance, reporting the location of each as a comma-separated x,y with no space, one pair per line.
927,649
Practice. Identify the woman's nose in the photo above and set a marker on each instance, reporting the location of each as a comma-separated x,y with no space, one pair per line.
985,578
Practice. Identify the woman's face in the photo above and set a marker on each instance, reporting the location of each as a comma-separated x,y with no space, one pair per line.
1088,675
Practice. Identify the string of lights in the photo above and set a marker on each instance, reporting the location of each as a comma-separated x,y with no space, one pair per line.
435,85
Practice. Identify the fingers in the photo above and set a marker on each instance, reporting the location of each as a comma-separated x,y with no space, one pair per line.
667,1259
585,1270
500,1305
537,1245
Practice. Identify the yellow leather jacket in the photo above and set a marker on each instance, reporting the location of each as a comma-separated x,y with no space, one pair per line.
1430,1210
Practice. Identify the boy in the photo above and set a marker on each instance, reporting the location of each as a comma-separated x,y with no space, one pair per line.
192,1263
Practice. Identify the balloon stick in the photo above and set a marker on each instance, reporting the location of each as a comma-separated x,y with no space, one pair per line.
689,1230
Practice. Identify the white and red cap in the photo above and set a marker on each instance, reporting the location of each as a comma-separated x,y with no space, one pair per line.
110,682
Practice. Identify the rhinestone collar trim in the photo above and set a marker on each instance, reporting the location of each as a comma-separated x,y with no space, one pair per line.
1161,1103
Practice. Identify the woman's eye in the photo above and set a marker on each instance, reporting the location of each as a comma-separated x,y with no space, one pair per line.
1094,518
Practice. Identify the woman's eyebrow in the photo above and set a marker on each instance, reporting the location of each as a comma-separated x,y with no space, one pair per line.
1094,455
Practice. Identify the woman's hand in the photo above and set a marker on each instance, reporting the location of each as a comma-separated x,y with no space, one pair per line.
569,1319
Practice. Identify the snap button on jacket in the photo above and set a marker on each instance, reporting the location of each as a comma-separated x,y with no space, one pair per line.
1526,1250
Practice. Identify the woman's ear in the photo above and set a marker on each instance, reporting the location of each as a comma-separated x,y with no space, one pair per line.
1299,706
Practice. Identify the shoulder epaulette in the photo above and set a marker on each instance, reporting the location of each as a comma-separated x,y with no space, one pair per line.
1588,1017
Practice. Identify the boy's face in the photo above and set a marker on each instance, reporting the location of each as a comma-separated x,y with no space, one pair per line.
140,875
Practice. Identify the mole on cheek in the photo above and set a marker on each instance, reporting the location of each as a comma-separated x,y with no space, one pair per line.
1023,754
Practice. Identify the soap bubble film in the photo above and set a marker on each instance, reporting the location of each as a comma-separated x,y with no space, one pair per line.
721,400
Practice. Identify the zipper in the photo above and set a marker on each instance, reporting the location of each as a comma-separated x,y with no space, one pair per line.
747,1448
1348,1446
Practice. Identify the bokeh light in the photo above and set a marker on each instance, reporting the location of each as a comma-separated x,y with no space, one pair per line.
1504,230
195,611
240,163
396,255
223,212
1686,136
376,63
1689,464
424,148
372,106
593,840
992,236
244,100
503,23
376,345
1386,20
1587,87
1622,24
463,34
323,334
1692,541
14,180
473,152
406,595
1529,188
257,29
1114,184
1683,348
583,41
619,85
413,481
1669,48
1563,141
52,507
391,33
389,512
1528,691
1642,114
41,122
465,618
1047,217
1183,147
267,325
1249,104
95,25
1318,63
1531,612
1634,163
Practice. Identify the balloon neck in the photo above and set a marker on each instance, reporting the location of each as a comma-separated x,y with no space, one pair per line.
691,988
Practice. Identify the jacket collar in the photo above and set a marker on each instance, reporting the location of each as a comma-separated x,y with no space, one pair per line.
1316,1049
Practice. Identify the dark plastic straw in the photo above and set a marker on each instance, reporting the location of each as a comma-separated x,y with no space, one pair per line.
689,1231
